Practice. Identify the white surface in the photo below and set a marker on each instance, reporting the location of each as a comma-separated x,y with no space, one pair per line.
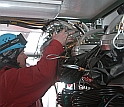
29,9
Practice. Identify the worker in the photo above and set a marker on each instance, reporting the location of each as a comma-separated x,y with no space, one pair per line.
22,86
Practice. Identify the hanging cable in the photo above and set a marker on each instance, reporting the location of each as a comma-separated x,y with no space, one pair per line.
120,31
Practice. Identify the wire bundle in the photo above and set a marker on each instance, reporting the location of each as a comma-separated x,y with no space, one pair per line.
104,97
110,96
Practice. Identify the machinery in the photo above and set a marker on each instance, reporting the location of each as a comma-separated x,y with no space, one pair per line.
93,64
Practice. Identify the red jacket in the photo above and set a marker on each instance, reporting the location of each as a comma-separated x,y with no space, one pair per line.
22,87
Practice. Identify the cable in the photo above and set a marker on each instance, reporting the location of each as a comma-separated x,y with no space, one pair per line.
117,95
20,24
93,97
37,46
120,30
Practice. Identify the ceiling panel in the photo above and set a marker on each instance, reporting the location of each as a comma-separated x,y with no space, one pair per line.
86,9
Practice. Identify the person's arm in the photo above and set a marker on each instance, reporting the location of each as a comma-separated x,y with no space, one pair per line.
29,84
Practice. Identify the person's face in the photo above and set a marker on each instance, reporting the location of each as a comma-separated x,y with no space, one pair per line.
21,59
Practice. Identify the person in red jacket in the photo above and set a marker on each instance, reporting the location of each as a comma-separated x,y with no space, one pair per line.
22,86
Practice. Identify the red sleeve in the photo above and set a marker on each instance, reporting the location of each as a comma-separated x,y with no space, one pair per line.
26,85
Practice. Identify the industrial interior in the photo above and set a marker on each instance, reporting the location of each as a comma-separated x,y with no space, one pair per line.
92,72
